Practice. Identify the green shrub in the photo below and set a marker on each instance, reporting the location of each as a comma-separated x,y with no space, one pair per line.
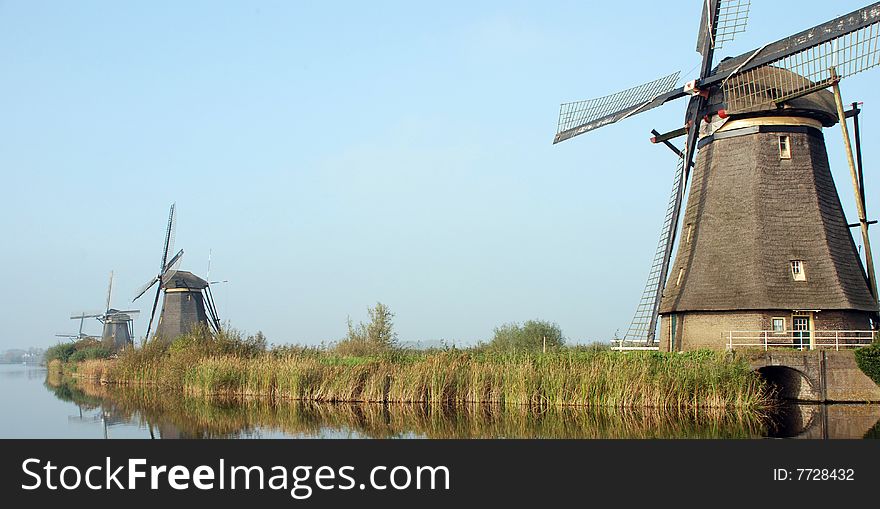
61,352
64,351
92,352
868,359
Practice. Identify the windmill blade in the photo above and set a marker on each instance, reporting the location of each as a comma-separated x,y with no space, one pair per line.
86,314
208,272
169,237
66,336
171,268
109,292
143,289
730,19
800,64
579,117
153,312
212,309
643,324
130,312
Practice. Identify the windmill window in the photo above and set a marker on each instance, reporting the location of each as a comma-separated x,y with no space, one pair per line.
778,325
680,274
690,232
784,147
797,270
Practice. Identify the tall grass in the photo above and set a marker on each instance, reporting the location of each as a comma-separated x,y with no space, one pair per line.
585,377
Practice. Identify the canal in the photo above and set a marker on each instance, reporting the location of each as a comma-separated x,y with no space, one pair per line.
37,406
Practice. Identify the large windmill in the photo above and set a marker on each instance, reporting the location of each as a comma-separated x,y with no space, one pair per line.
187,300
764,245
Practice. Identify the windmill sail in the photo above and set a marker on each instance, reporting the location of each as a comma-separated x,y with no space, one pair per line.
169,238
848,43
641,329
172,267
582,116
808,70
731,18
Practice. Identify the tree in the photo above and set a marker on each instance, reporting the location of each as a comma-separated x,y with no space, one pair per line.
533,335
371,338
380,330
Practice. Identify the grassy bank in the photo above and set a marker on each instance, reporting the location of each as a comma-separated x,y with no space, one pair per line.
564,377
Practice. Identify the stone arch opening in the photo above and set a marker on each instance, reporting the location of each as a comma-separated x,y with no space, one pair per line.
789,384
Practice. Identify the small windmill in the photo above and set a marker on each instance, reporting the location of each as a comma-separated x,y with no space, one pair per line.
118,324
762,204
186,294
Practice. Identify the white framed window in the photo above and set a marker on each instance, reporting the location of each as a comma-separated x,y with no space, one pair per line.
784,147
778,325
797,270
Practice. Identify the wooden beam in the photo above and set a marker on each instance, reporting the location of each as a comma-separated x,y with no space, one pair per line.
863,222
663,138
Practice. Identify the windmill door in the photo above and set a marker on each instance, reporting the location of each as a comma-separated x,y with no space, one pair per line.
800,325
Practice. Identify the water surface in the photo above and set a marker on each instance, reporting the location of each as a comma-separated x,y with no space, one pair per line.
37,406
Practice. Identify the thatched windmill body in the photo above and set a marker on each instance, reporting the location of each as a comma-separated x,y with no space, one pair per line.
764,246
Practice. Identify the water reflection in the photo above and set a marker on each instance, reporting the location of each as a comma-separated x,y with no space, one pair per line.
168,415
27,371
805,420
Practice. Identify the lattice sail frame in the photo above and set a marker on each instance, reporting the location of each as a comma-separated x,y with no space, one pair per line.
809,70
594,113
639,329
733,16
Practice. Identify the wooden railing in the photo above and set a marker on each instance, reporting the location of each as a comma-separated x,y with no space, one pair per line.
800,340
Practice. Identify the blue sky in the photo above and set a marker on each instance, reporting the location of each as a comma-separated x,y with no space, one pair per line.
335,154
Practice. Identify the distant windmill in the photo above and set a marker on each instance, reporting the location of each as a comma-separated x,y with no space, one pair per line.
186,294
117,323
118,329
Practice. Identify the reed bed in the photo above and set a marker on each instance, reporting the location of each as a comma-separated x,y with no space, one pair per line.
174,414
600,378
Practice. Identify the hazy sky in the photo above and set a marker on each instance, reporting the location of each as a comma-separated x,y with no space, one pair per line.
335,154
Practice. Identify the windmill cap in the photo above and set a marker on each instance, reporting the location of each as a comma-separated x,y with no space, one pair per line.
776,82
115,315
184,279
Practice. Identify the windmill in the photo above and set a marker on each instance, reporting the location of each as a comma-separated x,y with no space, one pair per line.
765,245
118,330
117,324
186,294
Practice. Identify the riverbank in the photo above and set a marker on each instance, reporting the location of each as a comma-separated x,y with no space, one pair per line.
568,377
